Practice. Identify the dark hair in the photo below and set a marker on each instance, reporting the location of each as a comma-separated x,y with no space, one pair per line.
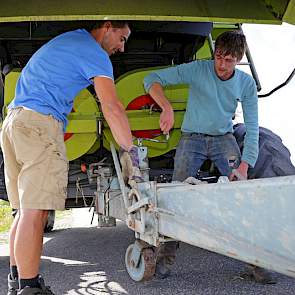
115,24
231,42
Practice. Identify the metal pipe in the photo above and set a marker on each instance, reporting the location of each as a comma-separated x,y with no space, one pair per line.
120,177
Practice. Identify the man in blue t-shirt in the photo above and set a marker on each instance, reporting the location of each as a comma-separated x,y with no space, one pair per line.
215,87
32,142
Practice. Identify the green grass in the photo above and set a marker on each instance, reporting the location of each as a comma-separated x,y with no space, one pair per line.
5,216
63,213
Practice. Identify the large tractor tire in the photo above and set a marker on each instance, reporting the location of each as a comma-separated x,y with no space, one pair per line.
273,158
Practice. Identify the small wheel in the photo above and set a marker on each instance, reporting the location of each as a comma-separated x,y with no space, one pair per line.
146,267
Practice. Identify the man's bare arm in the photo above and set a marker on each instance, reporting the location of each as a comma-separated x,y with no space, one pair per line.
113,111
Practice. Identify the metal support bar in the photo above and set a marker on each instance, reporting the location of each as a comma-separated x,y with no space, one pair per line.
253,69
120,177
211,44
251,65
137,223
138,205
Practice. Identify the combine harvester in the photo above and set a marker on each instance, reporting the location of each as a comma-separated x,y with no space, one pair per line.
251,220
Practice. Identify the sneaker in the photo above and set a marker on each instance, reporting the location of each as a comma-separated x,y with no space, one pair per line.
43,290
12,285
162,269
165,259
260,275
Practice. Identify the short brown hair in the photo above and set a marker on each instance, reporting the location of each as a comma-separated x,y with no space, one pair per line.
118,24
231,42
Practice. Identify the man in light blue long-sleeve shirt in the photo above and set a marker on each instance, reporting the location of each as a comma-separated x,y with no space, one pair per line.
215,88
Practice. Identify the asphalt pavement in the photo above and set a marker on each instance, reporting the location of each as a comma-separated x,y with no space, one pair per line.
83,259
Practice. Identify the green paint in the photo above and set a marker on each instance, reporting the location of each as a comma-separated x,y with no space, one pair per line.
234,11
82,122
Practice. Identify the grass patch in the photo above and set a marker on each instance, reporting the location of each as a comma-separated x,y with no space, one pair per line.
60,214
5,216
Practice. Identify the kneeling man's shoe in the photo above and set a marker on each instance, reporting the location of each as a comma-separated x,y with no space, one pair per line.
165,259
162,269
260,275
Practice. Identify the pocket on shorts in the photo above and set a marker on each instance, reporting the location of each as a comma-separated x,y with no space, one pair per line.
28,142
57,173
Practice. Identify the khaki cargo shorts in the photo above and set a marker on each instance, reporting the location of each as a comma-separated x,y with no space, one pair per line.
35,163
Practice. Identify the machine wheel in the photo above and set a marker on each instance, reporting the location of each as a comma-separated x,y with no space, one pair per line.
273,158
146,267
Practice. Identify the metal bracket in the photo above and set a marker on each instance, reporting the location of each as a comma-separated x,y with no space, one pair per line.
138,205
137,224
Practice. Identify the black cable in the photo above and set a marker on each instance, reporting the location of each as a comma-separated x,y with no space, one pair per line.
280,86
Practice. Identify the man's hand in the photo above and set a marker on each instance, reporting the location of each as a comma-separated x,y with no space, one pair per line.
130,164
240,173
156,91
167,120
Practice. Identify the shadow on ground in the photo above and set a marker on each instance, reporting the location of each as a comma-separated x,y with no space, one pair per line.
91,261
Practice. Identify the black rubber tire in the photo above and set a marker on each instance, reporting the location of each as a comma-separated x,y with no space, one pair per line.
273,158
50,221
3,193
1,93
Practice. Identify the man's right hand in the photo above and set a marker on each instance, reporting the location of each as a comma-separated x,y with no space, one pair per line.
130,164
156,91
167,120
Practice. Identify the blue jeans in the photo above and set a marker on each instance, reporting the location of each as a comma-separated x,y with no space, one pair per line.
194,148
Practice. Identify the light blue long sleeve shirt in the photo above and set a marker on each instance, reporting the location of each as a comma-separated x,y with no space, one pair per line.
212,102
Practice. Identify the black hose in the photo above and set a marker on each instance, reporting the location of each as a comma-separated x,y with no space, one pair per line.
280,86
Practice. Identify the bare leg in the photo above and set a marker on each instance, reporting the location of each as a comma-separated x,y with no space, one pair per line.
28,242
12,238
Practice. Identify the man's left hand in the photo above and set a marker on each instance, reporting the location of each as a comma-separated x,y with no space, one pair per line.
241,173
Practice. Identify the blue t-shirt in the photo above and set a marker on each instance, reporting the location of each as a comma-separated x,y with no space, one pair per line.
58,71
212,102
